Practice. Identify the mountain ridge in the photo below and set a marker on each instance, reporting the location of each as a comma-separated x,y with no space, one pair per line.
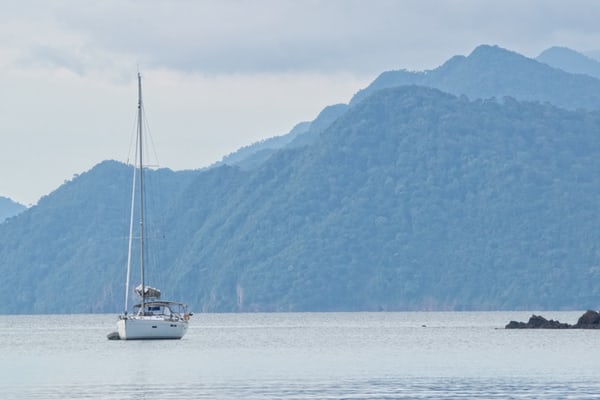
491,71
570,61
9,208
487,63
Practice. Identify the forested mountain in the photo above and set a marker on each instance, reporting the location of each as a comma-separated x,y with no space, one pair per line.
67,253
413,199
570,61
9,208
409,199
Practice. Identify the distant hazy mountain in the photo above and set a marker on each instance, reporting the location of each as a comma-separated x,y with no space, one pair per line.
302,134
490,71
9,208
254,154
594,54
570,61
408,199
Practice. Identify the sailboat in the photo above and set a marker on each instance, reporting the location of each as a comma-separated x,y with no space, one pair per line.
152,318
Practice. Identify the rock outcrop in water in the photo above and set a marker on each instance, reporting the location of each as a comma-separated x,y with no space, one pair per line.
589,320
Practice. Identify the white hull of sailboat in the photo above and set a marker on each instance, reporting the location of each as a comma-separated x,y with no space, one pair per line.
148,328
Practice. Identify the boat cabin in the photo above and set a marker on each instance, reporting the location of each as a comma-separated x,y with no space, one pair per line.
167,310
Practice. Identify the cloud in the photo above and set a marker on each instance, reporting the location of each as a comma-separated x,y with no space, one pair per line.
52,57
282,36
230,37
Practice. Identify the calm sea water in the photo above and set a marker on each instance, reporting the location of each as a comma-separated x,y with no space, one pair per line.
301,356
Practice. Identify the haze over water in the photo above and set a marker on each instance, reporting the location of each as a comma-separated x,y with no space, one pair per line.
301,356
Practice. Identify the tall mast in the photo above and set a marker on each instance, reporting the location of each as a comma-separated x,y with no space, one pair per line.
141,166
131,219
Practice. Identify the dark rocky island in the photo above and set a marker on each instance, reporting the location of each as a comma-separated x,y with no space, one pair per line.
589,320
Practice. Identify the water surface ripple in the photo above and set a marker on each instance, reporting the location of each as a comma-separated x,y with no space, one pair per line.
419,355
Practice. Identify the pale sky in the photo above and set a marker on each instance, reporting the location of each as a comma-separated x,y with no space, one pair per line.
221,74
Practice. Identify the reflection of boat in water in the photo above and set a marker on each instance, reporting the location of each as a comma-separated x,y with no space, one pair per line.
152,318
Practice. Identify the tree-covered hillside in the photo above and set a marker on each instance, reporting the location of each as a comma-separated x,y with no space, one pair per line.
68,253
413,199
